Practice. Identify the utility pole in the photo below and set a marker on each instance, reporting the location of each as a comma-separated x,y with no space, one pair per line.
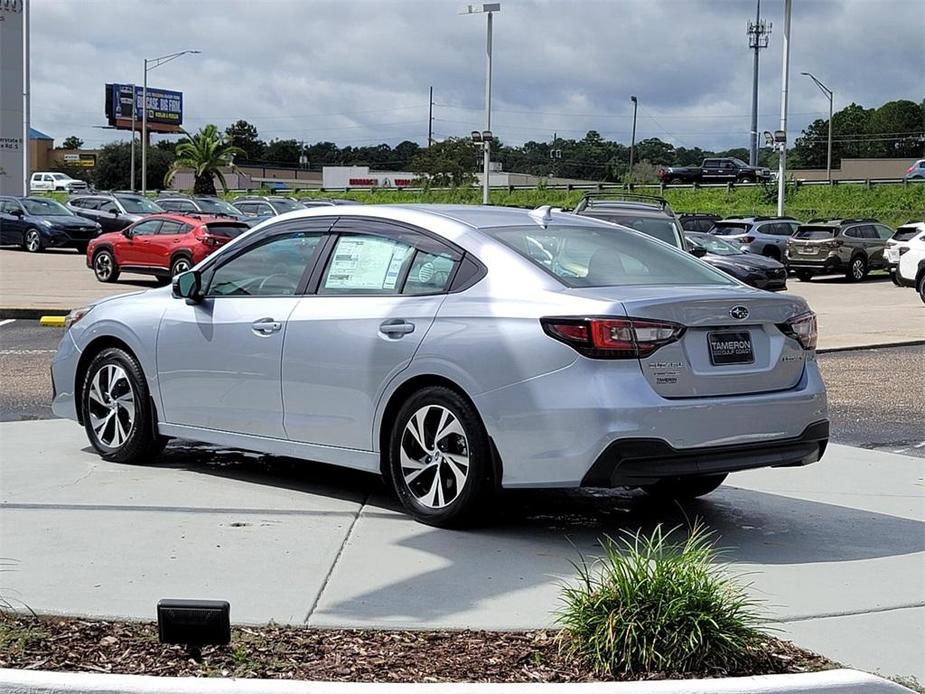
784,85
633,140
758,37
26,99
430,119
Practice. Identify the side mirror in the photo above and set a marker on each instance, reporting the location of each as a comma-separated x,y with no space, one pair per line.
187,285
698,251
127,232
113,211
17,212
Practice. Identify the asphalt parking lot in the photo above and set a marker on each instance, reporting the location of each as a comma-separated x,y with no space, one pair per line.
875,395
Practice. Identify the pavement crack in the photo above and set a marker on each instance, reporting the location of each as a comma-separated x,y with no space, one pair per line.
84,476
846,613
343,546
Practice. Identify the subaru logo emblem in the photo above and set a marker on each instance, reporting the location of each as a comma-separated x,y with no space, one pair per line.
738,312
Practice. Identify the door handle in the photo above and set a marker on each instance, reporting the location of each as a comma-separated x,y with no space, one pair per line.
266,326
396,328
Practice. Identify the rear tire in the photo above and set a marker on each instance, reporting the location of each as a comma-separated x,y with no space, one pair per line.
804,276
920,285
105,267
684,488
180,264
771,252
673,181
440,458
116,409
857,270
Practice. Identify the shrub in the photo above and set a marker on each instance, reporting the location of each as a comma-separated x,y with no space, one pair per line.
655,605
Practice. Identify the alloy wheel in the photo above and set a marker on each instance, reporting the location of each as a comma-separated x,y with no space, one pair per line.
434,456
180,265
33,241
103,266
857,269
111,406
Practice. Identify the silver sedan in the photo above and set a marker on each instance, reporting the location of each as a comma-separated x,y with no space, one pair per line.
455,350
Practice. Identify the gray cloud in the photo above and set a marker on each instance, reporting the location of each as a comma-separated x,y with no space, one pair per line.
357,71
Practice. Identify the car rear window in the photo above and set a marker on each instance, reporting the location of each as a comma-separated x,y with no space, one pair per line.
228,229
815,233
661,229
905,233
730,228
597,256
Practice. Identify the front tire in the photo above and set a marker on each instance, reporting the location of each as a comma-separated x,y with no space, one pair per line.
440,458
32,241
804,276
105,267
117,409
684,488
857,270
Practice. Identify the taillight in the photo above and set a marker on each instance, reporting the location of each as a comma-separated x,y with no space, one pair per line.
208,239
903,249
612,338
746,239
802,328
910,169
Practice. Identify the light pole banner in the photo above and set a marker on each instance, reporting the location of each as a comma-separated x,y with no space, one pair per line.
12,147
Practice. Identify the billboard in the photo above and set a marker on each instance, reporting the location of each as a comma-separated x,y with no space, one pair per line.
12,147
165,107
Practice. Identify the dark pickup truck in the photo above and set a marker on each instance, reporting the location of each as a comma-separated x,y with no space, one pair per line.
719,170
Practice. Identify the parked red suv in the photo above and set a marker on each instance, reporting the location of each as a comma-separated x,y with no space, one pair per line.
162,245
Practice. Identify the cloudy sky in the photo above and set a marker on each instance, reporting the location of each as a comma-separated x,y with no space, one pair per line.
357,71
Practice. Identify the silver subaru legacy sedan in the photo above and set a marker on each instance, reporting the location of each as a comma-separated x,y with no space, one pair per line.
455,350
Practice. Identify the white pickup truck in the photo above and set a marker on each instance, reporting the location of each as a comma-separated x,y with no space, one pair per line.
53,180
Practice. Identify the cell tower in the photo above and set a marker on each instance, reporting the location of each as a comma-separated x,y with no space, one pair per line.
758,36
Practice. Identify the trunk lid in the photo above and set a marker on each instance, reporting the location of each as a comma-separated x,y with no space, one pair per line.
718,354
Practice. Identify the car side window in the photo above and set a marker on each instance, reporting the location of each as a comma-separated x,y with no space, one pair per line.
868,232
272,267
883,232
852,233
430,273
264,209
366,264
245,207
169,227
146,228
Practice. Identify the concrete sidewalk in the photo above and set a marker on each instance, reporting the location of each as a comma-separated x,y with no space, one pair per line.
850,315
836,550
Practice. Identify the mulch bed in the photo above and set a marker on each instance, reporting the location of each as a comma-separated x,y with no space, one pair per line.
276,652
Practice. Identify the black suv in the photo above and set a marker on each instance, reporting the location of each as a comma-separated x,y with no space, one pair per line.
112,211
201,204
646,213
852,247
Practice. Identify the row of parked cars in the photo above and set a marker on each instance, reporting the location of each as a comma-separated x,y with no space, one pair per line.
124,231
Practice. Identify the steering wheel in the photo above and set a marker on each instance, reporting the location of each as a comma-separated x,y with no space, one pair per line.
287,284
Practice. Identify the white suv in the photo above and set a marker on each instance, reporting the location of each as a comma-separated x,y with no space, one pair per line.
909,252
53,180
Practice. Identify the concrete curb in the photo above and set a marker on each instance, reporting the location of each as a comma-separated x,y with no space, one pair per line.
31,313
826,682
878,345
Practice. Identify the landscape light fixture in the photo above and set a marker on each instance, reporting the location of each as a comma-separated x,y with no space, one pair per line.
830,96
194,623
150,64
486,8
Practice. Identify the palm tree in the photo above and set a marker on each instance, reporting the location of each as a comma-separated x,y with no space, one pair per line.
205,153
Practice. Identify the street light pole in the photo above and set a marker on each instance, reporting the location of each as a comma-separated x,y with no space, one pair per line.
830,95
154,62
132,174
633,140
486,8
785,83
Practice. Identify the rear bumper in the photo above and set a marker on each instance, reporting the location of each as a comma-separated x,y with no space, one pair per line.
829,264
630,462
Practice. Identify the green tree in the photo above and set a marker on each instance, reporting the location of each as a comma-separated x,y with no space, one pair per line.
72,142
244,135
284,152
205,153
451,162
895,129
113,165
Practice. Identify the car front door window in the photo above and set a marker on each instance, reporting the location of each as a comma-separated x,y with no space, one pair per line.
274,267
